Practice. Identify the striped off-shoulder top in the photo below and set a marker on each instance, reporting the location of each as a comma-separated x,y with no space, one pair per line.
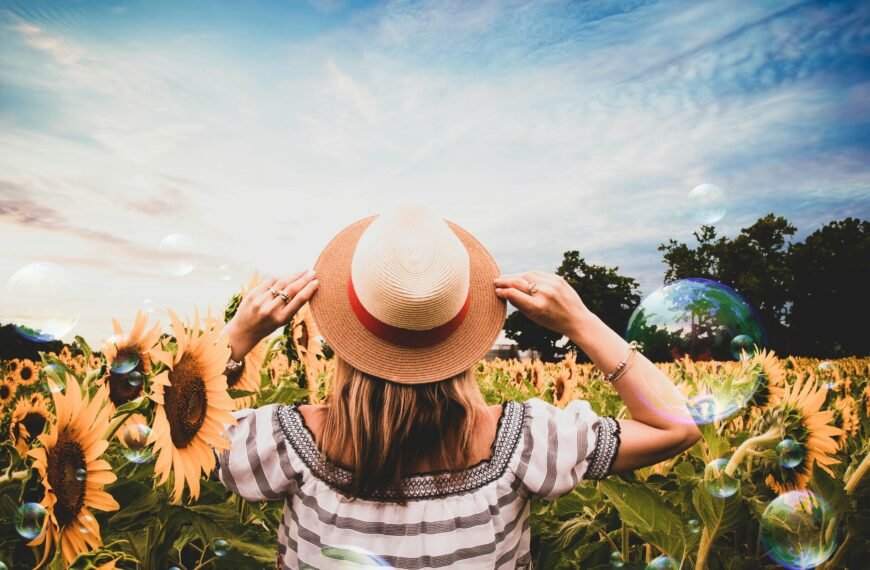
475,518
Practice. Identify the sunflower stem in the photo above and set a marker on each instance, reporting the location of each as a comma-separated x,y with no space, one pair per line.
774,434
625,541
703,550
855,478
608,539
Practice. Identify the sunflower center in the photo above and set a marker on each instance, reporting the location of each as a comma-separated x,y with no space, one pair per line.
34,423
185,402
303,336
64,460
5,391
26,373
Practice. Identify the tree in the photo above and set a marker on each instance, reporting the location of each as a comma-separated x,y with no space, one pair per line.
831,270
755,263
604,291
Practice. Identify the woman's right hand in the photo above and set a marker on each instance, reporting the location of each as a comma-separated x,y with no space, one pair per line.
555,304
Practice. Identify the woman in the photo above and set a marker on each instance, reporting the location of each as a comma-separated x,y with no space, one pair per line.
406,461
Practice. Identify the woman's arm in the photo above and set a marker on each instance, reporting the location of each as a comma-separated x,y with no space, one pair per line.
650,437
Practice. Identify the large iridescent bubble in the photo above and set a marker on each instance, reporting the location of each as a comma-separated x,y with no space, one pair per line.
707,203
800,530
179,254
700,319
42,301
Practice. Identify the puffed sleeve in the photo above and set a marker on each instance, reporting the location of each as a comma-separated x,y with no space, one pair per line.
259,465
561,447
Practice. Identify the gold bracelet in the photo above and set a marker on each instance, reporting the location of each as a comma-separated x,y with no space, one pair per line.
624,365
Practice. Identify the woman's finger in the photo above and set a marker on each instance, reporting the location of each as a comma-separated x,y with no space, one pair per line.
520,282
519,299
290,289
298,301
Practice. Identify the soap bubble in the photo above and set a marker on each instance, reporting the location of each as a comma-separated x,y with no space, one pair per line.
42,301
224,272
694,526
800,530
134,438
790,453
717,482
220,547
707,203
699,319
125,361
826,374
29,519
135,379
742,347
353,556
617,560
178,254
663,563
84,523
57,374
148,306
81,474
826,366
3,566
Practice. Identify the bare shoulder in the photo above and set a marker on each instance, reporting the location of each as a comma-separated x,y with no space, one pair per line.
314,416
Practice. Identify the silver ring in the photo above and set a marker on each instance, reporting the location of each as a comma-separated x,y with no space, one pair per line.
284,296
273,292
532,287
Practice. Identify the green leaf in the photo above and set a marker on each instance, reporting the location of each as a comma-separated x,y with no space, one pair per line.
717,515
649,515
833,490
86,349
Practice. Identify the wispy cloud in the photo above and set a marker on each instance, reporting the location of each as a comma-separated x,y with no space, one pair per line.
541,127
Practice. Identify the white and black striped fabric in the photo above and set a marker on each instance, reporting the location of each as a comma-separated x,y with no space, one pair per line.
477,518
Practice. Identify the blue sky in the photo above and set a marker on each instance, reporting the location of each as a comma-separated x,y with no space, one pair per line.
262,128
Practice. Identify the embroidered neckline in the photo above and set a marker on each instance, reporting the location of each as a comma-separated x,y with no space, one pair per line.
418,486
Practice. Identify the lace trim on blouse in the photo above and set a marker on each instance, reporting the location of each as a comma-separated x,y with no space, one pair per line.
415,487
607,444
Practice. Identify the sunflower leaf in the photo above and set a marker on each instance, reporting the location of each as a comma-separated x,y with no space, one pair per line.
86,348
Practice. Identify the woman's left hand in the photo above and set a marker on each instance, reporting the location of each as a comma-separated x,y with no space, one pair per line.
263,310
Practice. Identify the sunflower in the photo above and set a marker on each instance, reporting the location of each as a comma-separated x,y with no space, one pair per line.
849,420
8,387
798,414
771,378
304,337
12,365
28,421
137,348
73,473
192,407
27,372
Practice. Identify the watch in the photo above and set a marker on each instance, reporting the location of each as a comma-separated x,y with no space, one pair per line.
235,365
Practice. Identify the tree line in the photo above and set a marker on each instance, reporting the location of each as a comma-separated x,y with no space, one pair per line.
811,296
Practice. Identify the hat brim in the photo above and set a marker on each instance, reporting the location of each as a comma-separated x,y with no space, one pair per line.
346,335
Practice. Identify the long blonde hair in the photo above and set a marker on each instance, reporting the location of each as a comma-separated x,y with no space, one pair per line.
382,430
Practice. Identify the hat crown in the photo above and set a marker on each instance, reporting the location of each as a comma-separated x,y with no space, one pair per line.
410,270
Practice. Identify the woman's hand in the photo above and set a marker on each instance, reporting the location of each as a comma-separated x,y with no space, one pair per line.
555,304
261,312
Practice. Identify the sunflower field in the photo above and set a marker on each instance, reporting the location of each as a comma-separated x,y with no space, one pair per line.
106,458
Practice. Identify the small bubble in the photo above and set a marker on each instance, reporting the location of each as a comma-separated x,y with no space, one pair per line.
125,361
29,519
224,272
220,547
84,523
147,306
178,252
717,482
54,377
135,448
707,203
617,560
135,379
663,563
742,347
81,474
790,453
694,526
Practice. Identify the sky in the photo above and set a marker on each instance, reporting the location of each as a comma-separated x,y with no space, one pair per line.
261,128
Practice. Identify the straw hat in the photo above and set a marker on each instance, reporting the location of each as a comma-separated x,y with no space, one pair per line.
407,296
